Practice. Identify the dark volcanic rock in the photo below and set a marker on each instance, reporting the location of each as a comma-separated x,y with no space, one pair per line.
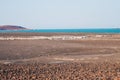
11,27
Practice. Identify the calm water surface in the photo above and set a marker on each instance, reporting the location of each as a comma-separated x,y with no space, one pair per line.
115,30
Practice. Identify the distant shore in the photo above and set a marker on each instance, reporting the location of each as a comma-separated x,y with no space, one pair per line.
55,36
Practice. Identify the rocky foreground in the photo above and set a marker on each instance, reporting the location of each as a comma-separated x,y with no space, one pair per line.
60,71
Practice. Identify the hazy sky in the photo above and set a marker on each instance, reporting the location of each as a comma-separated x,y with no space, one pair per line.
38,14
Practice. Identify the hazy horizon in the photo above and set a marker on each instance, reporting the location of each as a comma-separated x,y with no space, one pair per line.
62,14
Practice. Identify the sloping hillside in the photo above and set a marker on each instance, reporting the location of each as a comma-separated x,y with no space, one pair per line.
11,27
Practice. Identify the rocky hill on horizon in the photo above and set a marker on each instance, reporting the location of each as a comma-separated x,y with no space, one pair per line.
11,27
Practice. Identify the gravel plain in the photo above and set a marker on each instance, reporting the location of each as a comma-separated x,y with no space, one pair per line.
94,58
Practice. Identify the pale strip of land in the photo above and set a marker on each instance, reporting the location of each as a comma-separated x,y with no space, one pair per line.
62,37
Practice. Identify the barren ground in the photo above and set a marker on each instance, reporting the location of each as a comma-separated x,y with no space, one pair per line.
91,52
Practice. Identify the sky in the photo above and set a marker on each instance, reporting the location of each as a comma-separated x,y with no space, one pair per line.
60,14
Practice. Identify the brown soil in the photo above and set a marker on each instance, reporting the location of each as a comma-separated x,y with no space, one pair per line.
89,59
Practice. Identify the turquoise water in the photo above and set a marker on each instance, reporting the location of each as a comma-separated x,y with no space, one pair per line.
115,30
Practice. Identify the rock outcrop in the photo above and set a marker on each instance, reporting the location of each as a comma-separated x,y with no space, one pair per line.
11,27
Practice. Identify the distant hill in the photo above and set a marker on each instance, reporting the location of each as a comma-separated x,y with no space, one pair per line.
11,27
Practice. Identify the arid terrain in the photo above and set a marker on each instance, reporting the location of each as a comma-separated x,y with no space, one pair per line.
94,57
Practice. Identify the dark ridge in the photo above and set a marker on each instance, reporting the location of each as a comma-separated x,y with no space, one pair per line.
11,27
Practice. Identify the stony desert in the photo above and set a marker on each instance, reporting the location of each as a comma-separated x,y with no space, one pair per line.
59,56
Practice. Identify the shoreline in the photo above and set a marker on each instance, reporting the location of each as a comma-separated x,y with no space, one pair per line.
56,36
